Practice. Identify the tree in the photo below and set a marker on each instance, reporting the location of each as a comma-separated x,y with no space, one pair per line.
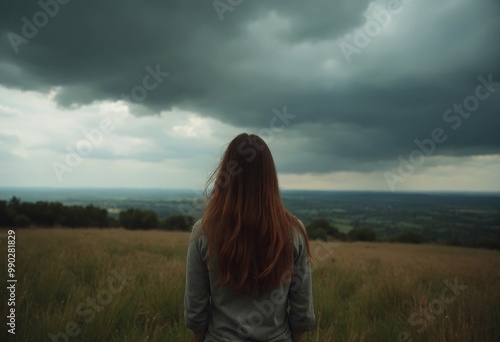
138,219
321,229
14,203
362,234
178,222
22,221
7,215
407,237
88,216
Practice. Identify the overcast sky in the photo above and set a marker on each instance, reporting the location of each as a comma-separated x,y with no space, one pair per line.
363,95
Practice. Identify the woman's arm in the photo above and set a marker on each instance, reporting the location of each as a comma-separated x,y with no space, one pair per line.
197,290
301,316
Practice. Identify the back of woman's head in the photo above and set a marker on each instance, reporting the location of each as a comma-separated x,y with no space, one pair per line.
248,229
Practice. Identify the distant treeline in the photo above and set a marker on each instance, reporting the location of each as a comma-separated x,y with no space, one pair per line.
321,229
15,213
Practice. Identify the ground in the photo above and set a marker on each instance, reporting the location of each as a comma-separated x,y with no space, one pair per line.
120,285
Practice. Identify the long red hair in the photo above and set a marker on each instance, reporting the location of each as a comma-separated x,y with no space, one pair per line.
245,222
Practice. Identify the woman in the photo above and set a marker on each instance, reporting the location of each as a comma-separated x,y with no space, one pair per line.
248,275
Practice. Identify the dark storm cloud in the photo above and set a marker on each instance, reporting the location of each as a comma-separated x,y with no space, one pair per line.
267,54
104,46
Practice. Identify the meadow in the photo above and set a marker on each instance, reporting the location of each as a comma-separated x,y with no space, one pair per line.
120,285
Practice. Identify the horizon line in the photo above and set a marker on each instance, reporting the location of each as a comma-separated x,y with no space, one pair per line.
41,187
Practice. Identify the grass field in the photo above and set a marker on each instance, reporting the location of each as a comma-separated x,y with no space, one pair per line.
118,285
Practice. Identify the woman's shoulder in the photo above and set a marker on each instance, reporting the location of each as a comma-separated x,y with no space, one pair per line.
196,226
198,240
196,232
298,229
299,239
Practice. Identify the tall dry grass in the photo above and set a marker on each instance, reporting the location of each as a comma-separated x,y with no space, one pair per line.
362,291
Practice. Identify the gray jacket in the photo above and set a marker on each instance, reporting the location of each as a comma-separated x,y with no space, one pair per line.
227,316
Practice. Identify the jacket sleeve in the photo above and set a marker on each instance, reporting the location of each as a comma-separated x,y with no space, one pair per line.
301,316
197,290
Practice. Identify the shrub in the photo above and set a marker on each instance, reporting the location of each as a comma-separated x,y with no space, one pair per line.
22,221
138,219
407,237
321,229
362,234
178,222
